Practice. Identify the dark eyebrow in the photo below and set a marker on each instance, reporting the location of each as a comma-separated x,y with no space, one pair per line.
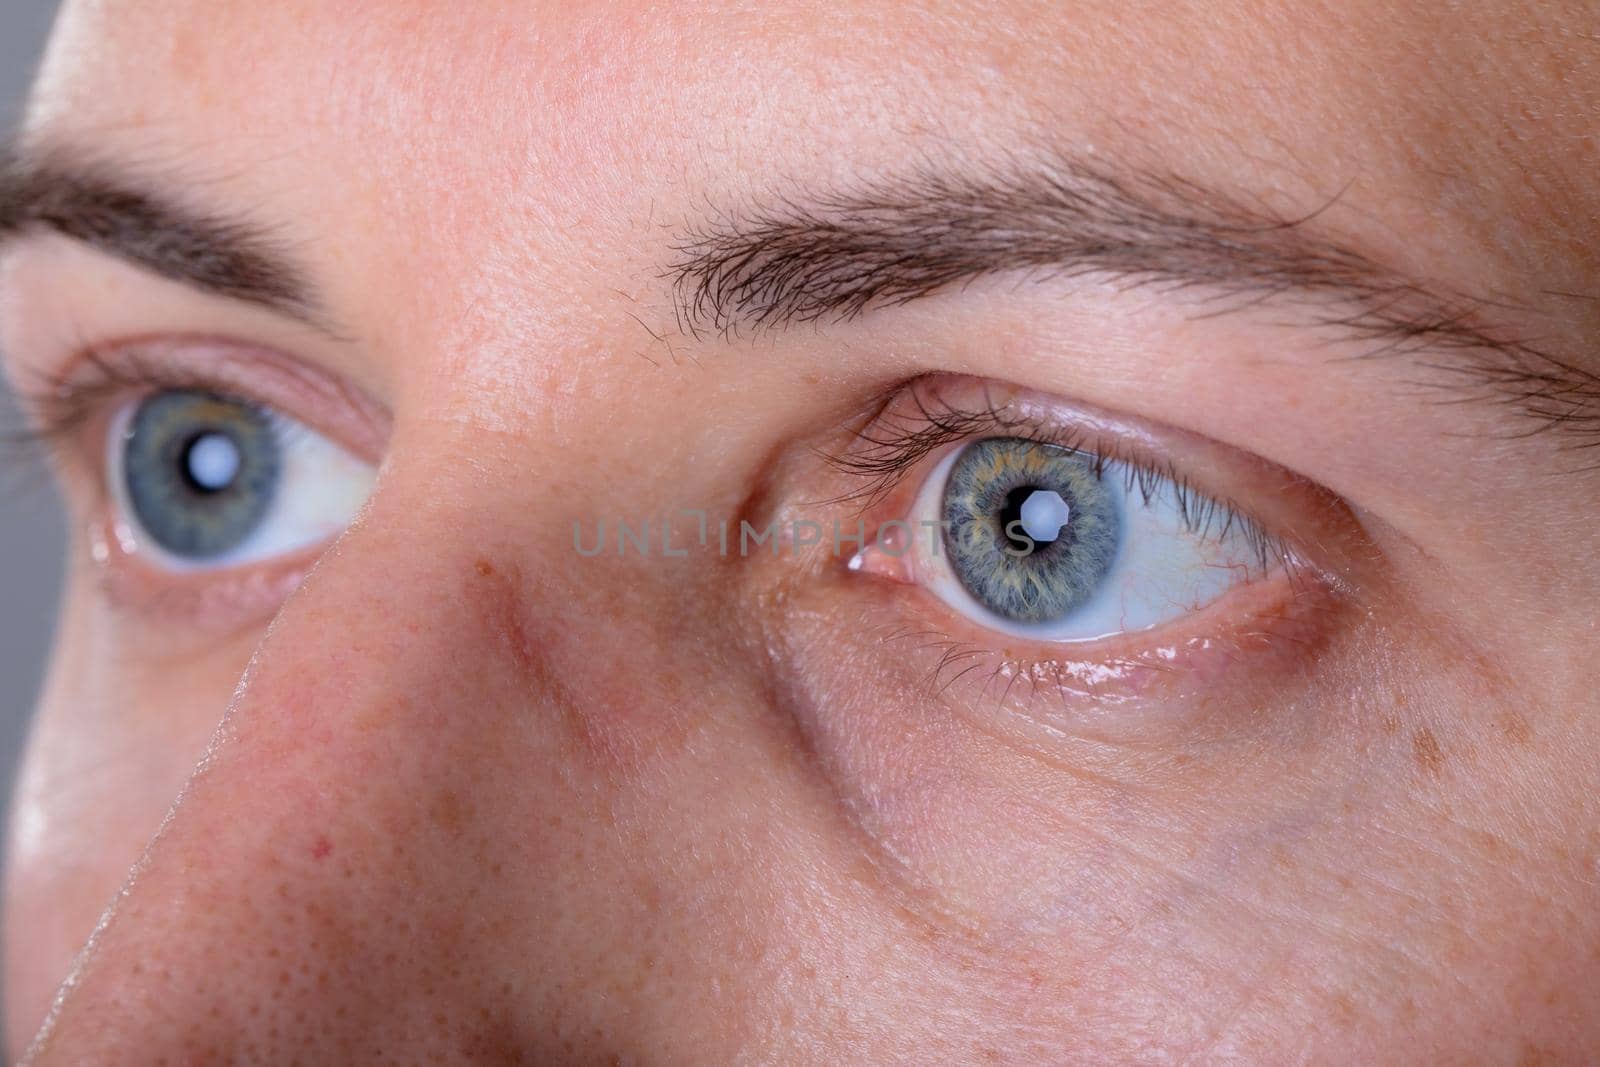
118,214
894,240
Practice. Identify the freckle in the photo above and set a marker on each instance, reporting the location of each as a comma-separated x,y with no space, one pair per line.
1430,757
1390,725
484,568
321,849
446,813
1517,729
1534,1056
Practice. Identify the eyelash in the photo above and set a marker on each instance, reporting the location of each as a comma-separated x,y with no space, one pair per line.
888,448
58,411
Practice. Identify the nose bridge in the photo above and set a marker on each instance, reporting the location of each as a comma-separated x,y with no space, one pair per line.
338,831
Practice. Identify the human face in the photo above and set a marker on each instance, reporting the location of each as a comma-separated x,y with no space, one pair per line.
411,775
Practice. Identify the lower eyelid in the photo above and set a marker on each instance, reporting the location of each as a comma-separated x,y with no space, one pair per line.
1130,686
188,611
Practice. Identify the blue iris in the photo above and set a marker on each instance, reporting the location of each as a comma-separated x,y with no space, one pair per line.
201,471
1032,529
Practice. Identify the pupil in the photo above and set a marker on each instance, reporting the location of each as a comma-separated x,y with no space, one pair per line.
1039,513
211,463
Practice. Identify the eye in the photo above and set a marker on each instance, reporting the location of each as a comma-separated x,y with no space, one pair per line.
1061,544
205,481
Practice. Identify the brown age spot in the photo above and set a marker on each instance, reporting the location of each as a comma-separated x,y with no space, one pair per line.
446,812
1390,725
1517,728
1430,757
484,568
1534,1056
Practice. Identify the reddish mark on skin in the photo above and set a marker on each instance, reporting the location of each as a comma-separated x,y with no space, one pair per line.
322,848
1430,757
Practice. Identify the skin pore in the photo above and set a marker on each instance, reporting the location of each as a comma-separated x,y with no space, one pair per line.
444,789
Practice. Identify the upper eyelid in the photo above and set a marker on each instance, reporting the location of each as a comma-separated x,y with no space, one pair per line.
927,415
61,404
881,451
60,408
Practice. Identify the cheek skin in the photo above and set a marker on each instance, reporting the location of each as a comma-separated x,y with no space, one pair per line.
501,789
112,745
1238,871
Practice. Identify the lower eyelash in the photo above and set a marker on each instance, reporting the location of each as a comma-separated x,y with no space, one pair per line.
1009,682
996,675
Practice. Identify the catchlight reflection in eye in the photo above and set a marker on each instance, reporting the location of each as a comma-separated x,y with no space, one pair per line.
203,481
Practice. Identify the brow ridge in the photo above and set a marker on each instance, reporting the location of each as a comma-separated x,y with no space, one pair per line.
117,212
887,242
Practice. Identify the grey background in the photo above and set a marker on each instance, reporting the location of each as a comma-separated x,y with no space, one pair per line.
32,533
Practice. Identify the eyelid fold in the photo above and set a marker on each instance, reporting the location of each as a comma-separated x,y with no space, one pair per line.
70,408
916,423
1302,531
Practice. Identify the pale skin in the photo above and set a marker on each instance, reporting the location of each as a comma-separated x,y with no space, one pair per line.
442,790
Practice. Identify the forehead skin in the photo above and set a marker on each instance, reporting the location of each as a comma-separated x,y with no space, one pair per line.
485,193
1457,134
